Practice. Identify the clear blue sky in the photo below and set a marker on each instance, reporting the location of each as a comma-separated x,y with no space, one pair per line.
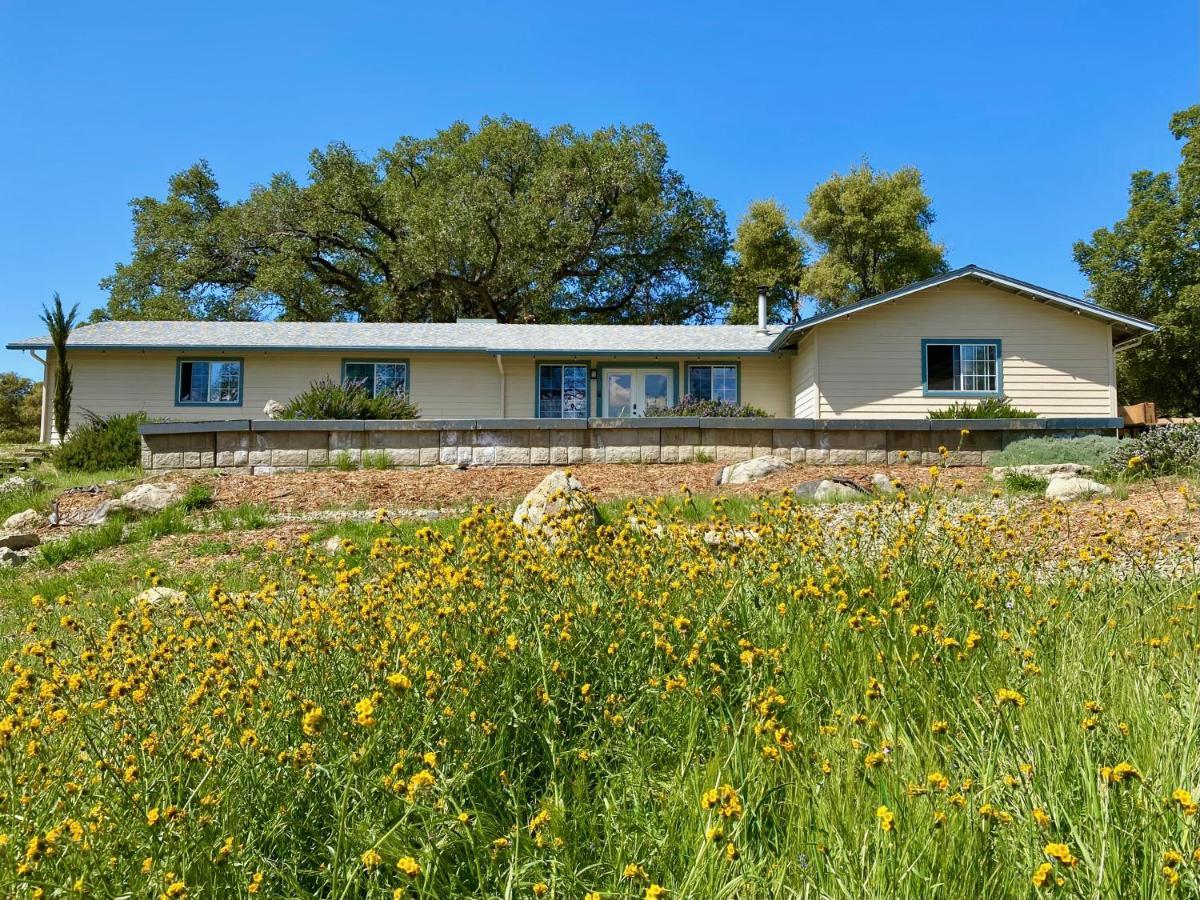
1025,117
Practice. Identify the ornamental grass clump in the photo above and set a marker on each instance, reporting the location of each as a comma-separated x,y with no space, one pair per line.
920,697
987,408
328,399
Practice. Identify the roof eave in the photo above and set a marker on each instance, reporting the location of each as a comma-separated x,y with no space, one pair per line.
986,276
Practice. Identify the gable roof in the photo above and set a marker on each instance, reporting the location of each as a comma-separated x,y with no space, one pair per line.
1126,329
390,337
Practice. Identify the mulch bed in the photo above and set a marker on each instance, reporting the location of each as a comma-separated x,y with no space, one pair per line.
449,488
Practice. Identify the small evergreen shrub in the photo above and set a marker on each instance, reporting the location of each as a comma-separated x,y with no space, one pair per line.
987,408
1164,450
1089,450
695,406
328,399
102,443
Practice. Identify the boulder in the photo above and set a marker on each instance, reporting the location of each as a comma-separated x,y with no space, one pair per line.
17,483
830,490
559,494
1042,470
1074,487
273,409
24,521
751,470
715,537
333,545
147,498
882,484
157,595
10,558
18,540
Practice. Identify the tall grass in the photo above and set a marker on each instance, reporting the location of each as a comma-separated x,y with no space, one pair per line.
915,703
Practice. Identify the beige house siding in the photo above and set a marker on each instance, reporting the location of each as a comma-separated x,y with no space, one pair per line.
804,379
1054,362
445,385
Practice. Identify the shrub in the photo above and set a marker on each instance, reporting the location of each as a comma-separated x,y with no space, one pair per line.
102,443
987,408
1089,450
695,406
328,399
1025,484
1165,450
198,496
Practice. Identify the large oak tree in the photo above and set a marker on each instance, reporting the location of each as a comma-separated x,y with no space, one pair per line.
872,231
1148,265
500,221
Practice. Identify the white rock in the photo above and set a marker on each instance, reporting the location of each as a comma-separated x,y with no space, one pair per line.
10,558
882,484
1073,487
751,470
273,409
147,498
830,490
333,545
1042,470
718,538
157,595
19,540
24,521
17,483
558,495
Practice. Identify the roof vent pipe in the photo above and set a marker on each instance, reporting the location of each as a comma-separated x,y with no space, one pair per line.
762,309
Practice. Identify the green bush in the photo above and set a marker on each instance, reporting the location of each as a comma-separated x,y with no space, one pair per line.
328,399
695,406
1165,450
1089,450
1025,484
987,408
101,443
199,496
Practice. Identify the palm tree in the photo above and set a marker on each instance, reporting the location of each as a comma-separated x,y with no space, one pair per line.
59,324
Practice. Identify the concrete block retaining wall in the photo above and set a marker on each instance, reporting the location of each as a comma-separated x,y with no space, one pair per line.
262,447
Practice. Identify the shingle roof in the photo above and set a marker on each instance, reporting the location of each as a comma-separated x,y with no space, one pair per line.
486,337
1126,328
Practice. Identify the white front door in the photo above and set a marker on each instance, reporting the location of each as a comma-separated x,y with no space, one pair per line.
630,392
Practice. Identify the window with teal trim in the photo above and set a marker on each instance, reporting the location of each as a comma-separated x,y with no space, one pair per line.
962,368
210,381
562,391
713,383
378,377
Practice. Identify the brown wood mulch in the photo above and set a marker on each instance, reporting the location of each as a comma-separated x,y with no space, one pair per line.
449,488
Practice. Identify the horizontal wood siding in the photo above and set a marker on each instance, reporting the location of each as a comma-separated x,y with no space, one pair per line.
1055,362
445,385
804,379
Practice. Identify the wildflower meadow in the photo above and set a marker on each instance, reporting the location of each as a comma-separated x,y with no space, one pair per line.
934,698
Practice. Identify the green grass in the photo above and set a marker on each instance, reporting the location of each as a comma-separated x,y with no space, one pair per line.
376,459
1017,483
54,483
576,701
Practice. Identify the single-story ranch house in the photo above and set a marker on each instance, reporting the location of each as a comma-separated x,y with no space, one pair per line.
969,333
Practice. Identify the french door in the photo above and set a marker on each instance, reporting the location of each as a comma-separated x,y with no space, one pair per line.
630,392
